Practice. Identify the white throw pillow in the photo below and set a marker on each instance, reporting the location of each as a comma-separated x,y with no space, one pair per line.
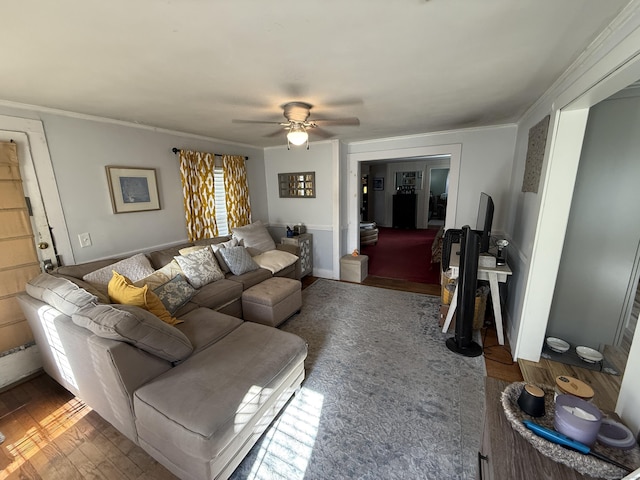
134,268
275,260
255,237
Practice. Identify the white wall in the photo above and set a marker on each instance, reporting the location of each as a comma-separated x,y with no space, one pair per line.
80,149
481,162
378,197
537,222
318,214
586,308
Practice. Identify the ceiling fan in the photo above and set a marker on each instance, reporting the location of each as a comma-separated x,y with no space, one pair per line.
299,125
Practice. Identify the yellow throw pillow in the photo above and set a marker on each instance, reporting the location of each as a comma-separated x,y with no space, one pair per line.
121,290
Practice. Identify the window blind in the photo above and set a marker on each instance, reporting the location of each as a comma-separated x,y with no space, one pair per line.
220,201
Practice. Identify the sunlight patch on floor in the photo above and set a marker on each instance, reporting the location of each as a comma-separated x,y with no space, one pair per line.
49,428
286,448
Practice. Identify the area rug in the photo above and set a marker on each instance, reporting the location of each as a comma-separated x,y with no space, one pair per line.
404,255
383,396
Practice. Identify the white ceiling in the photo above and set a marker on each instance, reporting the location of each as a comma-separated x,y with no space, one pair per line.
401,67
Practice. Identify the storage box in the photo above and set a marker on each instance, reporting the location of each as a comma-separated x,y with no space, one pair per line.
479,310
487,260
354,269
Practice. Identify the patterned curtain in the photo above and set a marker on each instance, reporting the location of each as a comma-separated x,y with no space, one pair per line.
196,172
237,191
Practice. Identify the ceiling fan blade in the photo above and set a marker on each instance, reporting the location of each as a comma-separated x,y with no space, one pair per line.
275,133
337,121
343,102
255,121
321,132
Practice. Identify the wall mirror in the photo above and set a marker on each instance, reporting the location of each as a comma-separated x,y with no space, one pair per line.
297,185
409,180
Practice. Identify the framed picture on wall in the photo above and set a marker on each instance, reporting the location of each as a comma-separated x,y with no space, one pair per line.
378,183
133,189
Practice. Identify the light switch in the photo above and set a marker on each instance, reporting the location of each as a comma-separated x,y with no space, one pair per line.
85,239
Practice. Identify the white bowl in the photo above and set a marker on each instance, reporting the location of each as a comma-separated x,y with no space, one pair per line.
589,354
557,345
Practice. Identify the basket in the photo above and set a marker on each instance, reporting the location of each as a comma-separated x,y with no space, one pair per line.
480,305
479,309
448,285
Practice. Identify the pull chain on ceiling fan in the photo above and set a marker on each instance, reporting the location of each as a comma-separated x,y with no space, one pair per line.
299,125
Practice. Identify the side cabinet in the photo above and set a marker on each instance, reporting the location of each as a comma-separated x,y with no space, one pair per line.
404,210
305,243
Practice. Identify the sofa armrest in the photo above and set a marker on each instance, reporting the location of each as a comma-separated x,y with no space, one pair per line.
294,249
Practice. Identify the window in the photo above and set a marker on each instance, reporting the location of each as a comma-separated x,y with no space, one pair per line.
220,201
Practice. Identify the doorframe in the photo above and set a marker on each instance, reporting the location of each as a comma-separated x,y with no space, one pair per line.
37,145
399,154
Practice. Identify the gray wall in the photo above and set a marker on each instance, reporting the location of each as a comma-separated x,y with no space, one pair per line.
599,254
438,183
81,148
317,213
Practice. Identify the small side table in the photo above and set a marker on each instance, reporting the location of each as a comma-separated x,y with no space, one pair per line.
304,242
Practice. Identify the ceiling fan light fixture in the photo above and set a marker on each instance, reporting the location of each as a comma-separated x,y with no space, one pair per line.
297,135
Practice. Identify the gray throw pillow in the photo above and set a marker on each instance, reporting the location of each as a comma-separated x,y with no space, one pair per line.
60,293
136,326
200,267
255,237
238,259
216,251
175,293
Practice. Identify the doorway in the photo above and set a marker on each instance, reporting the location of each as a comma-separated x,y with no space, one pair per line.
39,185
404,252
438,193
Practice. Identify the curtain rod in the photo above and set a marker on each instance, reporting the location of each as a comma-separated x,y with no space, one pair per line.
176,150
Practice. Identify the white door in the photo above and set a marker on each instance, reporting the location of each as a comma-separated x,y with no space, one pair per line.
39,222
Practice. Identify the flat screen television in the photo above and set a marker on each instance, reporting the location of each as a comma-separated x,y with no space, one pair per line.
485,219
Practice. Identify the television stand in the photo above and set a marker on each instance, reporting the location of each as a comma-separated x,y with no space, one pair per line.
494,275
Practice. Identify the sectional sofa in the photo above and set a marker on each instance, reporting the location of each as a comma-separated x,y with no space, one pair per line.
195,389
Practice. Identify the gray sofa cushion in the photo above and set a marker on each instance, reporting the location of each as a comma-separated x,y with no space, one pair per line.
199,406
159,258
250,279
217,294
136,326
60,293
204,327
79,271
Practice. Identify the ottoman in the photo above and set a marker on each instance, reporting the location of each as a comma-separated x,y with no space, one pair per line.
272,301
354,269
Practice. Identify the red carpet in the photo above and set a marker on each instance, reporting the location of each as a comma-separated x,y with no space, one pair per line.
404,254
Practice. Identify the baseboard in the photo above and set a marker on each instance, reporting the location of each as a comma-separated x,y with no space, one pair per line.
324,273
19,365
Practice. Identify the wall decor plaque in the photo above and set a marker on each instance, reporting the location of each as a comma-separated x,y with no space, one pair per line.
297,185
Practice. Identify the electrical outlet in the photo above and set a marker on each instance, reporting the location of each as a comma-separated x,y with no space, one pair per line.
85,239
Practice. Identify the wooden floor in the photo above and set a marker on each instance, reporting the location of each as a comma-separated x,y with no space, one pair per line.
605,386
52,435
